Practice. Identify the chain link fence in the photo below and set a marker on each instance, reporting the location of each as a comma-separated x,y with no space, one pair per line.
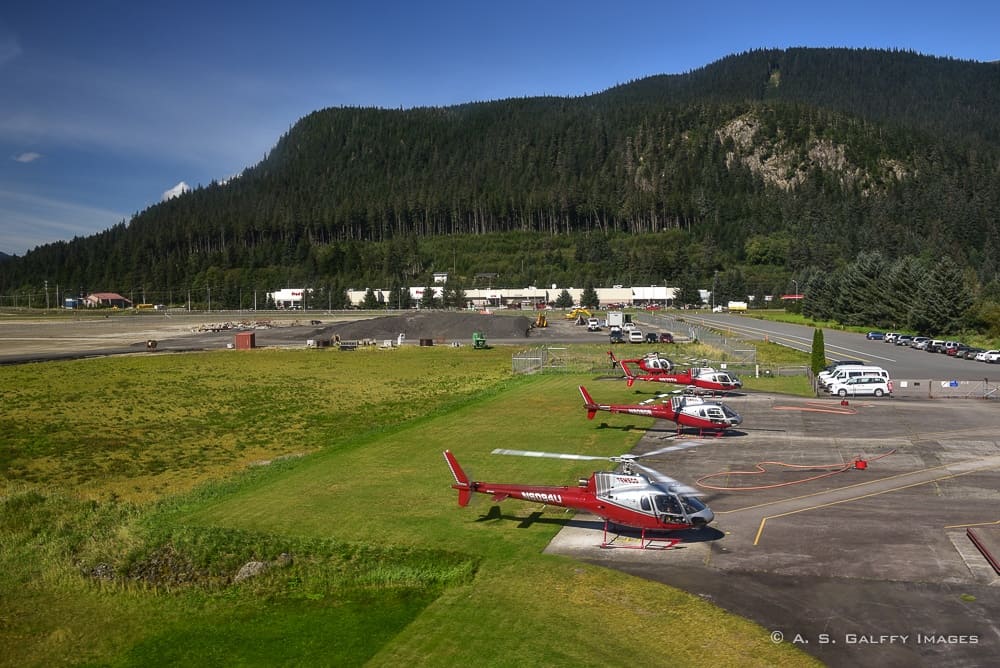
554,359
735,351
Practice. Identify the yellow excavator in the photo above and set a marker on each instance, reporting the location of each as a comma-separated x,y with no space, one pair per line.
577,312
541,320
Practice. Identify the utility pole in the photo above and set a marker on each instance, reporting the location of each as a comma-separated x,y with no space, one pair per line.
46,295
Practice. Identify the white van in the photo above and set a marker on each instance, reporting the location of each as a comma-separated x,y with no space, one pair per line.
863,385
845,373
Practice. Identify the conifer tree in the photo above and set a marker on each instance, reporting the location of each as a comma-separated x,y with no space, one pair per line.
371,301
429,299
818,358
564,300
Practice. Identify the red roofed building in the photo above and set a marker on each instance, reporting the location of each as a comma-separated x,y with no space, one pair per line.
112,299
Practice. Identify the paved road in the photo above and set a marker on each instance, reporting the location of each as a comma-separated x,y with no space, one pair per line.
901,361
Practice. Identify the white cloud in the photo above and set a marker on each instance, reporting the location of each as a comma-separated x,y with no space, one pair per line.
29,156
176,191
30,220
9,48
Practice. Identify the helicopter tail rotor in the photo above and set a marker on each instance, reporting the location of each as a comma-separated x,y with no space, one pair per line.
462,483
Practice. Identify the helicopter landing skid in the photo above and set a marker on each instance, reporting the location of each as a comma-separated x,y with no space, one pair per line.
645,543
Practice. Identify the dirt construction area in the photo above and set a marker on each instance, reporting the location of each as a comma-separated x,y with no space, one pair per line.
25,340
857,566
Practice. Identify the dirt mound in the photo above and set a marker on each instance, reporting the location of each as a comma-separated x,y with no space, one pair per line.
438,326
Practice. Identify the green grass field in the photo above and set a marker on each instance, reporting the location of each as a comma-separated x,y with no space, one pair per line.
134,490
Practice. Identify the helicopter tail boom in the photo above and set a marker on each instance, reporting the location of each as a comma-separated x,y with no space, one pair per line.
462,483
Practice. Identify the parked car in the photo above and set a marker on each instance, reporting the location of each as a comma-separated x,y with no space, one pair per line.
651,337
666,337
986,354
890,337
635,336
957,350
862,385
875,336
616,335
934,346
920,342
971,352
904,340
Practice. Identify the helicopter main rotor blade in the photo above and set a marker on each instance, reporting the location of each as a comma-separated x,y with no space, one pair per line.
674,484
670,448
553,455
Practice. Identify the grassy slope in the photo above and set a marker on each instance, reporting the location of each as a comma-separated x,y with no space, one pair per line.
380,482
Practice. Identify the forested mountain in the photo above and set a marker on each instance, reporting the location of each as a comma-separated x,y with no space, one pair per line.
774,164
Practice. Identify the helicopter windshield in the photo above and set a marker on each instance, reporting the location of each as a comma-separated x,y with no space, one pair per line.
729,412
692,504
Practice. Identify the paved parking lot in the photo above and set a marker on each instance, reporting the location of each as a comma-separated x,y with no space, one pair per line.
859,567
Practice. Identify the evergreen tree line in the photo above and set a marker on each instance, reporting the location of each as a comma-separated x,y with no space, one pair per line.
647,183
909,294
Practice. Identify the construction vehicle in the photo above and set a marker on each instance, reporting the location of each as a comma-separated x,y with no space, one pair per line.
578,313
541,321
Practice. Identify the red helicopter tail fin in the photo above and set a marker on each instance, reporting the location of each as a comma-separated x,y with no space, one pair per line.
461,480
629,376
588,403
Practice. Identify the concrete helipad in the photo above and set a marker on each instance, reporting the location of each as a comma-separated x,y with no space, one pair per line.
856,566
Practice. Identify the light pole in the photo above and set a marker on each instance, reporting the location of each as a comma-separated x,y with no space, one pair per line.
796,284
714,278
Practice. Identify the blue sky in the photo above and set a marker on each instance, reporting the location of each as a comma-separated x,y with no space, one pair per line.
106,106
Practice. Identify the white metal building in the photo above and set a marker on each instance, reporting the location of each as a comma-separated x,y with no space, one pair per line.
291,298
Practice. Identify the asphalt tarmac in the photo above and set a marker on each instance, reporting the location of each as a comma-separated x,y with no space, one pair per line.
858,567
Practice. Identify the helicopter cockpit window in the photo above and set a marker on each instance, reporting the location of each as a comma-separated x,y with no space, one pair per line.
693,505
668,504
644,503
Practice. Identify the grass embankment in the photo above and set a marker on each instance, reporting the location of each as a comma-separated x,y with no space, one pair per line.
128,507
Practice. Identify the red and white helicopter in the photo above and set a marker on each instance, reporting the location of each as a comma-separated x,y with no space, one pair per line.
633,496
694,412
658,369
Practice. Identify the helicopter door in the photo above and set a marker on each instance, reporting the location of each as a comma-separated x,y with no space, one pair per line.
669,508
715,414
